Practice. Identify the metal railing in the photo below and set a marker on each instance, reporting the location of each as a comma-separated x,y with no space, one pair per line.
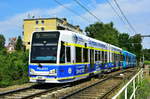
133,83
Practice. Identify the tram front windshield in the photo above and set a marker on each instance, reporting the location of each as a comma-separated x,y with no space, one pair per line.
44,47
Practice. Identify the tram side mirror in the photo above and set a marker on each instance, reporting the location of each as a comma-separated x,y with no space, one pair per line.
28,43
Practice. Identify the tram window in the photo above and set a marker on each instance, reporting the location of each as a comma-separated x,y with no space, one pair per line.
78,54
124,57
98,55
68,54
95,55
109,56
112,57
116,57
103,56
62,53
91,58
85,55
121,57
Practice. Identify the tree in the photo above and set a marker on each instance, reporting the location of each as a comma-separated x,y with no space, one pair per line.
103,32
2,41
19,44
124,41
136,46
146,53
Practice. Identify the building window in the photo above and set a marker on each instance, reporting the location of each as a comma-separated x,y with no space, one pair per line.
37,22
42,28
36,29
42,21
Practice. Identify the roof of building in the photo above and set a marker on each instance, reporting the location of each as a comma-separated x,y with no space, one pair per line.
59,19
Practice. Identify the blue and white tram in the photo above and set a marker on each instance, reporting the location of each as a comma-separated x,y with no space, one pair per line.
64,56
129,59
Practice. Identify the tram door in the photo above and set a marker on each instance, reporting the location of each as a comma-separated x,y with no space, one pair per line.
91,59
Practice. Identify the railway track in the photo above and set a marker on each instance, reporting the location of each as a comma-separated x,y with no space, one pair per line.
30,92
101,89
88,89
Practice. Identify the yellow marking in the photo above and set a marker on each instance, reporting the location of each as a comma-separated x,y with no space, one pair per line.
89,47
60,63
72,77
73,63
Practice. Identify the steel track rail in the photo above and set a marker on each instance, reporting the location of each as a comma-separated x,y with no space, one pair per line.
115,87
14,91
7,93
40,93
84,88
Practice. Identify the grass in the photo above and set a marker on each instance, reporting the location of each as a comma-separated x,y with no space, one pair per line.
144,91
147,62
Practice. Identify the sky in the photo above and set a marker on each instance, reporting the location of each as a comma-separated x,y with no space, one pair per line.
14,11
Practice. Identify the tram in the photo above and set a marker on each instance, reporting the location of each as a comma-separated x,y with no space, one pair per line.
63,56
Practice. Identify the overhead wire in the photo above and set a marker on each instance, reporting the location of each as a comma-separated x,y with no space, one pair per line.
121,11
74,12
117,14
86,9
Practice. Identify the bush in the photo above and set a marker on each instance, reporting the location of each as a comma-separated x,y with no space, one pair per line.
14,67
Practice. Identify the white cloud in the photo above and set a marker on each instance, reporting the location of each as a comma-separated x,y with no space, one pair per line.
14,23
137,12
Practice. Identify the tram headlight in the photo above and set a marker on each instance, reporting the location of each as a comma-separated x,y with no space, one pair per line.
53,72
32,71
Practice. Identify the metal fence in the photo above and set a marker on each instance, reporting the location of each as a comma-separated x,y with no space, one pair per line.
131,86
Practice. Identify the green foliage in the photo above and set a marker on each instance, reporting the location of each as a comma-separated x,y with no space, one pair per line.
13,68
146,53
147,62
107,33
2,41
136,46
144,90
19,44
103,32
124,41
